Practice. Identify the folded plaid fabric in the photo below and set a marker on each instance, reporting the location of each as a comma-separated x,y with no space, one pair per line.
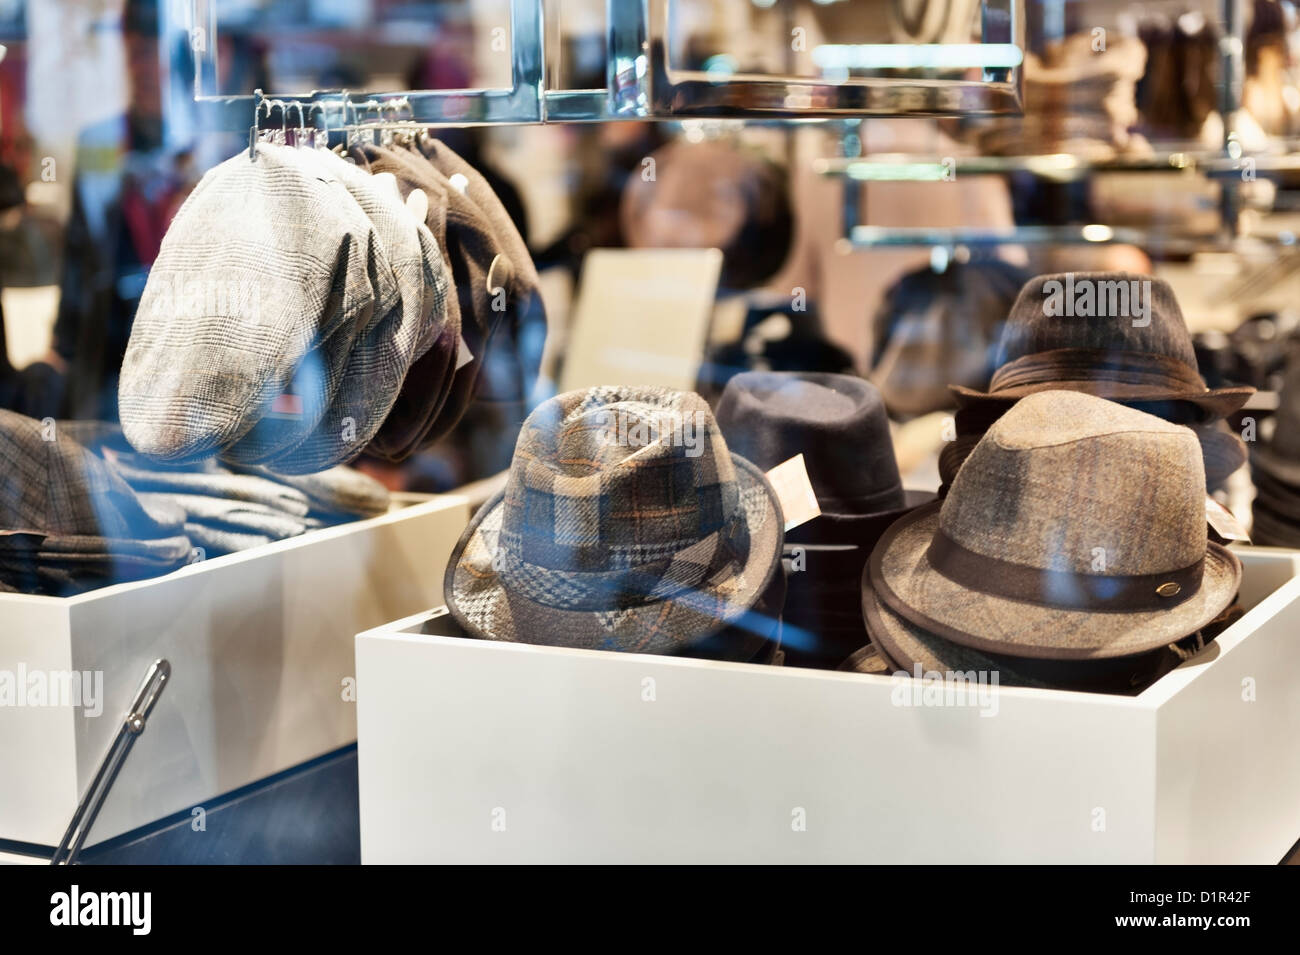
340,492
214,481
233,515
262,266
411,322
62,566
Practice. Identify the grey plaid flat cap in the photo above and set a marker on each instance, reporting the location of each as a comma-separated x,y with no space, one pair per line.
625,524
260,268
382,357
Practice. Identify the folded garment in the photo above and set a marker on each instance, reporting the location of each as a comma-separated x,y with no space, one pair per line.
239,516
64,565
340,492
214,481
219,541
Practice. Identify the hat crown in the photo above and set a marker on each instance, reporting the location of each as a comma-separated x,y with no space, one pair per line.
612,482
1032,492
837,422
1109,311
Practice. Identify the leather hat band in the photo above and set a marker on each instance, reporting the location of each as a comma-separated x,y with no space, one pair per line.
1065,590
1099,364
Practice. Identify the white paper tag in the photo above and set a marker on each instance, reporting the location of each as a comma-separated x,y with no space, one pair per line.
463,356
793,489
1223,521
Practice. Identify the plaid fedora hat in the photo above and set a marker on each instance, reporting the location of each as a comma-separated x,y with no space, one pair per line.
1075,530
625,524
840,426
238,306
1116,335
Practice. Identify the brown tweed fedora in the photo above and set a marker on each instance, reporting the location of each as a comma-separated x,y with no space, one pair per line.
1117,335
1075,530
625,524
1221,451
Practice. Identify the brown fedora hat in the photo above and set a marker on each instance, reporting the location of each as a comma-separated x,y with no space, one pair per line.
1117,335
1075,530
1221,451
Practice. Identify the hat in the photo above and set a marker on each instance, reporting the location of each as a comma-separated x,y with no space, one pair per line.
1116,335
431,376
1279,458
1075,530
382,356
625,524
1221,451
838,423
235,303
509,327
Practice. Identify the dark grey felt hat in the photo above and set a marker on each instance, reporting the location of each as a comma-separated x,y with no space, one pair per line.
1117,335
1075,530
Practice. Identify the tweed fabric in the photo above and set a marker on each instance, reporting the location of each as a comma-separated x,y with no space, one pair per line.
1222,452
381,358
504,332
235,515
59,488
1126,320
431,377
211,480
317,378
611,534
1062,480
275,269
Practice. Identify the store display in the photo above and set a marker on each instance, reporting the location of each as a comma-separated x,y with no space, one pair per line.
1030,556
1116,335
69,523
626,524
838,423
935,329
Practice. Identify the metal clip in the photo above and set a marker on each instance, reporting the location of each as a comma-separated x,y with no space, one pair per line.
133,724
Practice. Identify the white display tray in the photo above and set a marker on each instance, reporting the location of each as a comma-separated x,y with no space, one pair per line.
260,645
477,751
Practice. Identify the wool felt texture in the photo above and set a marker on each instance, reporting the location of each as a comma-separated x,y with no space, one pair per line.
259,268
1080,494
839,424
1055,339
383,355
459,229
316,380
612,535
512,313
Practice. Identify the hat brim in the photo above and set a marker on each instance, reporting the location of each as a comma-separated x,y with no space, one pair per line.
916,647
1215,402
903,577
484,605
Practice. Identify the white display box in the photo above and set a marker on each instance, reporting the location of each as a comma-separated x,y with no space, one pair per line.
477,751
260,645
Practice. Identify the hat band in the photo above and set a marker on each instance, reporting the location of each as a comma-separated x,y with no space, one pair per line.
1159,372
1059,589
